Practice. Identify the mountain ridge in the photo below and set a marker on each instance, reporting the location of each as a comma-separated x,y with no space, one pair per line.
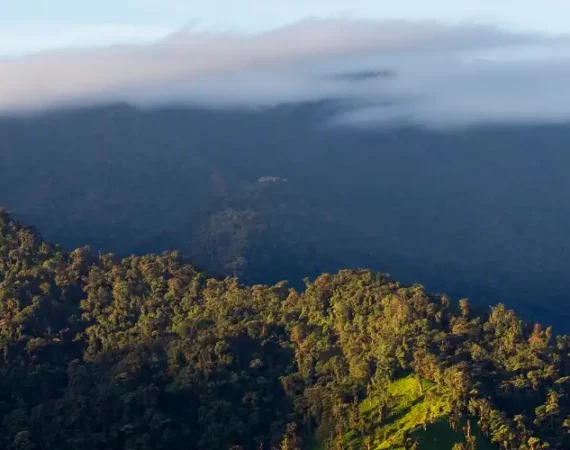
146,352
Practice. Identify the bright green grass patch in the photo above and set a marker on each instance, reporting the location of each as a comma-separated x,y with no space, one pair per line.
411,411
409,408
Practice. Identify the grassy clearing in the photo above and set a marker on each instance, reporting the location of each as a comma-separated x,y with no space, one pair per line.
411,411
409,407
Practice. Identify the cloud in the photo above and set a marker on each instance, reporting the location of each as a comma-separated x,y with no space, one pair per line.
35,38
442,75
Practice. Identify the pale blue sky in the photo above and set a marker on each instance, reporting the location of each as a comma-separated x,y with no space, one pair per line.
32,25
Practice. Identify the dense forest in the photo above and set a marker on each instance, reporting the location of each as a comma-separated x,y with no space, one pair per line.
281,193
147,352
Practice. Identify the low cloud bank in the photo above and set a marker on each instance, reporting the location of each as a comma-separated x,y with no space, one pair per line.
423,73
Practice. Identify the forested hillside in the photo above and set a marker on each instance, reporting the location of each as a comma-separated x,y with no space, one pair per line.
280,193
149,353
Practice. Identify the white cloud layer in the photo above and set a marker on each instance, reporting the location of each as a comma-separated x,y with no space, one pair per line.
442,75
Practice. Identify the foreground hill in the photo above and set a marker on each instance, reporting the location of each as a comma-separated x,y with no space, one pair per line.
148,353
279,193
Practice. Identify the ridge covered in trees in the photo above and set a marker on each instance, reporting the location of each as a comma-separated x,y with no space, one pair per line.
147,352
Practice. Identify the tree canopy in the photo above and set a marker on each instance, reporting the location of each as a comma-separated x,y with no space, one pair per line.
147,352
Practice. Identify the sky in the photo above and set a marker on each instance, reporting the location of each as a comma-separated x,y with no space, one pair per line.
454,64
29,26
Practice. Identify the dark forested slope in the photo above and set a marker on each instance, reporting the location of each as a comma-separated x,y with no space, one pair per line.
277,193
149,353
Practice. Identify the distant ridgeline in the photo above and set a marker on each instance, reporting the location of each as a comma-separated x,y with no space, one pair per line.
149,353
285,192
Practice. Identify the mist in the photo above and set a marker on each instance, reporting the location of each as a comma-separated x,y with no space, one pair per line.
440,75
